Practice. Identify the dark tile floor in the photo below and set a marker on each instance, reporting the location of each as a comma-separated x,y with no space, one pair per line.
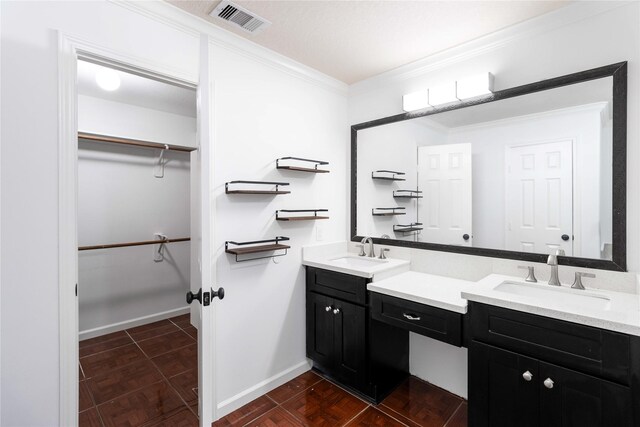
310,400
147,376
144,376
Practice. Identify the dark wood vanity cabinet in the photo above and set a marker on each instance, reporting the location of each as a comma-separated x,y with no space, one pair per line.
527,370
344,343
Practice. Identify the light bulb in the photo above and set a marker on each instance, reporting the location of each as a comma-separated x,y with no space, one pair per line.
108,80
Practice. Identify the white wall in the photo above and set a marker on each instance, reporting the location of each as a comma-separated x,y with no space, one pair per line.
262,114
105,117
120,200
577,37
29,184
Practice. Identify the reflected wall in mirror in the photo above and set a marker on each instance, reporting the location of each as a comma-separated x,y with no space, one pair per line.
525,174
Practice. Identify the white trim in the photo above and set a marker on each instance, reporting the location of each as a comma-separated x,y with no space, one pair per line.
234,402
131,323
561,17
69,49
181,20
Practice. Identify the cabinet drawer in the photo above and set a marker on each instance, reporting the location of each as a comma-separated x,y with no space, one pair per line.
595,351
432,322
343,286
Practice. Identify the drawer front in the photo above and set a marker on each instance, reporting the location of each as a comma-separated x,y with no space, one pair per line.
343,286
432,322
591,350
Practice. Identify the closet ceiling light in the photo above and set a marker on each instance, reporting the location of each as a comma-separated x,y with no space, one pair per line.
108,80
472,86
415,101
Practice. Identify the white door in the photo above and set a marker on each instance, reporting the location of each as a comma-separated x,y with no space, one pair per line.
444,177
539,197
202,262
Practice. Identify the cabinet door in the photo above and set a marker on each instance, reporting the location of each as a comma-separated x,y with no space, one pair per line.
320,336
350,342
572,399
503,388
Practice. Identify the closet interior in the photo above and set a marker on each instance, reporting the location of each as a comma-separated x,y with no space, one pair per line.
137,345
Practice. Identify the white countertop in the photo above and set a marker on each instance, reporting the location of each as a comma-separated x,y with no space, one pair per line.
436,291
622,313
378,270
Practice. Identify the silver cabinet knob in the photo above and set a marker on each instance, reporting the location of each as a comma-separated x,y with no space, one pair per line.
548,383
336,310
528,376
327,308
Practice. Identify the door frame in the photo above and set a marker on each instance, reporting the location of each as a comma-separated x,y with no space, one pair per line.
70,49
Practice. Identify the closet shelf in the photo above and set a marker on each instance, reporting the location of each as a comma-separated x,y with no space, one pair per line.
313,217
257,246
387,211
387,175
253,191
407,194
141,243
408,228
314,169
135,142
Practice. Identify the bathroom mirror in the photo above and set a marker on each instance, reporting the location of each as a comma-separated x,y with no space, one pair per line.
516,174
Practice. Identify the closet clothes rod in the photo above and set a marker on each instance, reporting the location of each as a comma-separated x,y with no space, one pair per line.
135,142
122,245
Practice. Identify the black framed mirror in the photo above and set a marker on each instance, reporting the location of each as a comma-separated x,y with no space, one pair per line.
515,174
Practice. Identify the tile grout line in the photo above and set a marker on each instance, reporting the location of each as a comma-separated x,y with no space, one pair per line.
453,414
356,416
389,415
298,393
397,413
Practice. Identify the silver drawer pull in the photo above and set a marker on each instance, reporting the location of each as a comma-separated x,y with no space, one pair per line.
548,383
410,317
528,376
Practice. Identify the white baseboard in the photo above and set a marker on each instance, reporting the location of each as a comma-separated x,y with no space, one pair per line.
115,327
229,405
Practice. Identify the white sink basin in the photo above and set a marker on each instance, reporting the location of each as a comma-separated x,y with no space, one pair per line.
563,295
358,262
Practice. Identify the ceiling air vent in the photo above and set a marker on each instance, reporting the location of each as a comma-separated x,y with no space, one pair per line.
240,16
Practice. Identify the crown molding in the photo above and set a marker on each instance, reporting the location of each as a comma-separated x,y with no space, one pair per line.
566,15
167,14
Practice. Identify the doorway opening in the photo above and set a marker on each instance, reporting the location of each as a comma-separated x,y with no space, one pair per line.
138,346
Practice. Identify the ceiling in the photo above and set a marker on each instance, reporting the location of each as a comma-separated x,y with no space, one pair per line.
140,91
355,40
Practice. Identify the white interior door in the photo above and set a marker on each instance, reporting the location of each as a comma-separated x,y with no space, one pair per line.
539,197
444,176
202,262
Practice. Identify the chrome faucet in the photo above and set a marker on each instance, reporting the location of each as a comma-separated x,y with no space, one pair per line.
553,262
372,252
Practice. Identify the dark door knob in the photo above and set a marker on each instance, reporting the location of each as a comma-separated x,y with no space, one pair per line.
465,237
219,293
191,296
565,237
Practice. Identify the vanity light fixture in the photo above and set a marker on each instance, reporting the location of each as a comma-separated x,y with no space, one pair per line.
415,101
473,86
442,94
108,79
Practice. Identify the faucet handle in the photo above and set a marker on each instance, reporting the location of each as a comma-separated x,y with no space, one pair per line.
361,250
577,283
531,276
382,251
